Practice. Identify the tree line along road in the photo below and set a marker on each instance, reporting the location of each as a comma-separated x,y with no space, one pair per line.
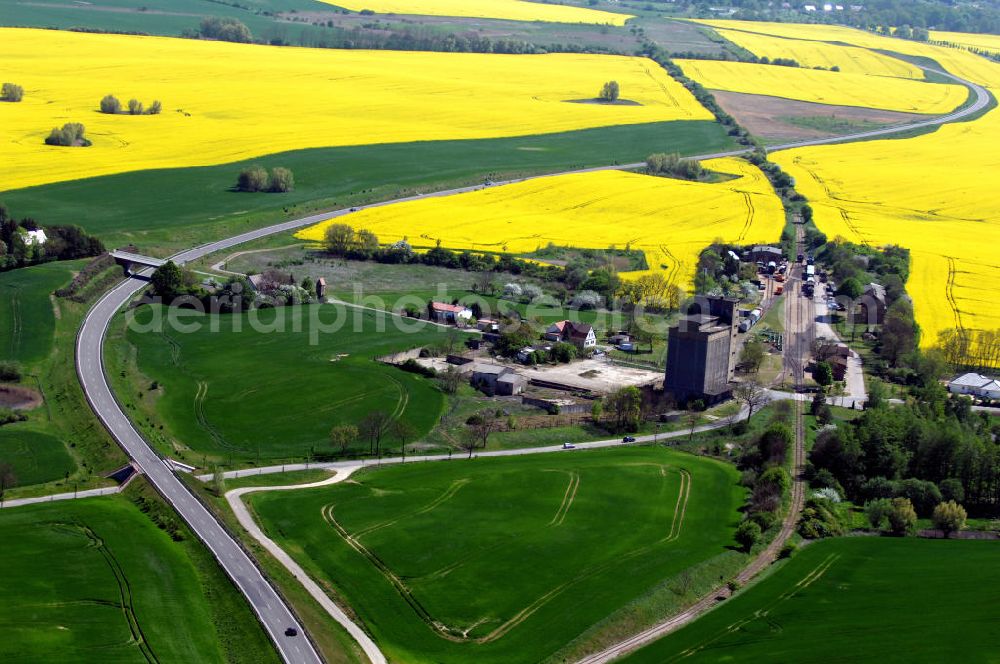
274,613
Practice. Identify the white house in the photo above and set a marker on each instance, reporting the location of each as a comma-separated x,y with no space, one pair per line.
456,314
35,237
975,385
580,335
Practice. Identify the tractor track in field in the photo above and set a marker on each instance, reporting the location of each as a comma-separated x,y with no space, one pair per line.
270,607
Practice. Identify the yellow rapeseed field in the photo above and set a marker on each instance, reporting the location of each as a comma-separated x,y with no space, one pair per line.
819,54
827,87
513,10
935,194
670,220
224,102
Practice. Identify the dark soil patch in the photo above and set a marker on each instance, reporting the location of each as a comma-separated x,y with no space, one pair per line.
16,397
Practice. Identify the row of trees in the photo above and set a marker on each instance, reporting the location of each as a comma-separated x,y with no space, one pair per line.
111,106
977,350
63,243
11,92
257,179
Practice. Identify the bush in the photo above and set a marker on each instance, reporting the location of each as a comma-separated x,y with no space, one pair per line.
877,511
281,180
10,372
252,179
949,517
787,550
110,105
11,92
586,299
748,535
155,108
902,517
225,29
70,135
134,107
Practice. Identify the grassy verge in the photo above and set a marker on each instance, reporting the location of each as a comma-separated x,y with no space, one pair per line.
333,643
62,445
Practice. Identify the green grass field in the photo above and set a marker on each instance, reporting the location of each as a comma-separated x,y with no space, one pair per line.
27,322
489,560
166,210
35,456
96,580
264,390
861,599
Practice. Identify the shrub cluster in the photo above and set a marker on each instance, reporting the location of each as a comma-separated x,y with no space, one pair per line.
256,179
225,29
672,165
10,371
11,92
70,134
111,106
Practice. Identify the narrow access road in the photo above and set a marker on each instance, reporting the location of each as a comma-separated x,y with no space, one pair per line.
235,500
273,612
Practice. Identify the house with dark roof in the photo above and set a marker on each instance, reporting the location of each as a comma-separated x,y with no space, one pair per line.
453,314
872,306
580,335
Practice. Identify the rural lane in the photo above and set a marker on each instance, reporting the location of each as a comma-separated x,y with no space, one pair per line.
269,606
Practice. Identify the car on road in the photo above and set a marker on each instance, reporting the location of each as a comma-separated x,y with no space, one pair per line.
569,446
354,209
291,631
628,439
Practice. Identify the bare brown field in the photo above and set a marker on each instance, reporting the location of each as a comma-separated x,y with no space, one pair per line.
775,119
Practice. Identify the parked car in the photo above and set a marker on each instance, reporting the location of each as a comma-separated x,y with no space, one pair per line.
628,439
569,446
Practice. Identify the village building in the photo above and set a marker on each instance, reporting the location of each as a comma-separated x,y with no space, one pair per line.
580,335
702,350
763,253
497,380
975,385
872,306
453,314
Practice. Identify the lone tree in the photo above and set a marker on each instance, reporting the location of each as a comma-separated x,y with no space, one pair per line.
7,479
11,92
748,535
170,281
949,517
374,427
823,374
752,395
339,238
110,105
481,425
625,407
342,436
610,92
135,107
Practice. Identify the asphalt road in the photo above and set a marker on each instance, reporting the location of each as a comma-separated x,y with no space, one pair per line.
272,611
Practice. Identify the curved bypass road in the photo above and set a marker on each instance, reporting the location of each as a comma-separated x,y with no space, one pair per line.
273,612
